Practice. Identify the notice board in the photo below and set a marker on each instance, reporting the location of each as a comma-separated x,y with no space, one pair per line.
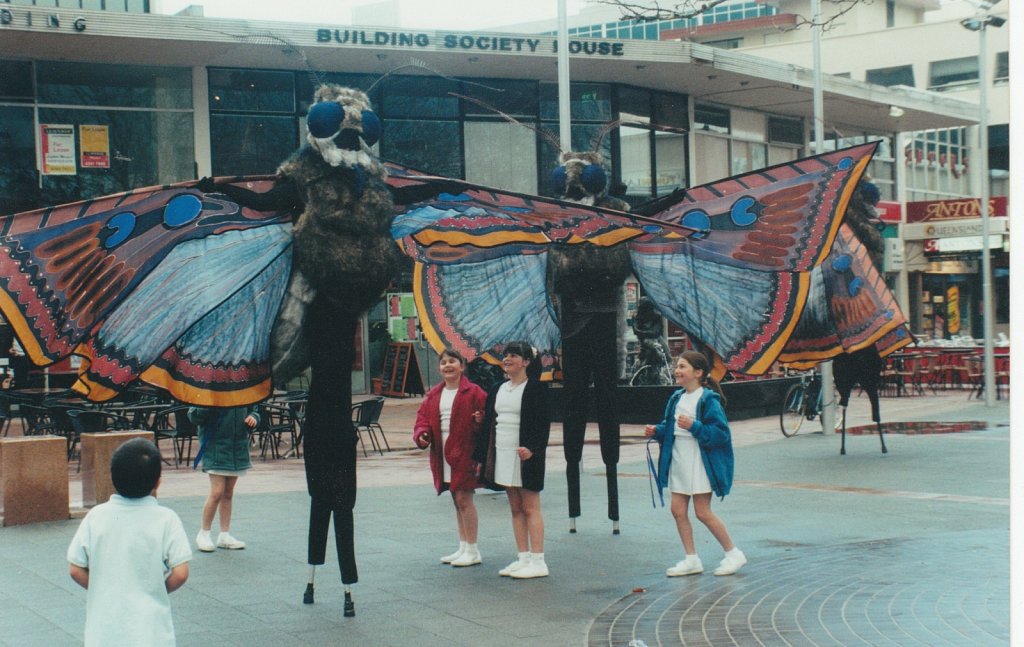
401,373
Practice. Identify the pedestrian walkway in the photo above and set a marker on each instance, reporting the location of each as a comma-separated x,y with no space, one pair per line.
906,548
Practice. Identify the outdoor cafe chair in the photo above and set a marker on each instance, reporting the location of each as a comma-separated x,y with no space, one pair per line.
276,422
172,423
366,417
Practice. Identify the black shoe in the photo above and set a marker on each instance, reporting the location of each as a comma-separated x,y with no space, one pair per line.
307,596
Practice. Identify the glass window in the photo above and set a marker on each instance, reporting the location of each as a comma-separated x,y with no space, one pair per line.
711,118
789,131
95,5
417,97
431,146
712,158
670,157
888,76
138,6
1002,66
19,189
634,104
671,110
146,148
954,71
588,101
515,98
250,144
16,80
114,85
635,162
252,91
748,156
501,154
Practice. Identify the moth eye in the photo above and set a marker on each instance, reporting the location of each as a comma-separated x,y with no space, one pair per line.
593,178
372,127
324,119
558,180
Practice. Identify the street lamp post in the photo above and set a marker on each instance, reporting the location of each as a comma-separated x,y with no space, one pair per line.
828,408
980,24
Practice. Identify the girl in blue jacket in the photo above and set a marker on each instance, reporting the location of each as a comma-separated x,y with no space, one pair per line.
696,460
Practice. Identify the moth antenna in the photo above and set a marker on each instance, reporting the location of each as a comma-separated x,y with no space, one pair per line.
601,134
550,137
423,65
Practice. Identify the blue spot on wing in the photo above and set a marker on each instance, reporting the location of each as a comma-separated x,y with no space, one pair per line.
123,225
741,213
845,163
842,263
699,220
181,210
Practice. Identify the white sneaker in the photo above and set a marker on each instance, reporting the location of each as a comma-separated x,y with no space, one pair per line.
468,558
204,543
448,559
512,568
225,540
689,566
530,570
731,563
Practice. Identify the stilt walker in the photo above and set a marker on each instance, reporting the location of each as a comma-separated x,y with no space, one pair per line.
343,260
588,284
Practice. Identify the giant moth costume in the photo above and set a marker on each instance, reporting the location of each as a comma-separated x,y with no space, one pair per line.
343,261
587,283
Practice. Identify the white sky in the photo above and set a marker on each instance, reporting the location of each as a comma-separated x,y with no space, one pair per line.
455,15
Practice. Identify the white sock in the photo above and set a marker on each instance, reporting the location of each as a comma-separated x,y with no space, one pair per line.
524,558
469,548
537,558
735,552
462,546
204,533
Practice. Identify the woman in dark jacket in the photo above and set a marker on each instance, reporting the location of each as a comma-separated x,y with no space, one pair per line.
447,422
511,450
224,444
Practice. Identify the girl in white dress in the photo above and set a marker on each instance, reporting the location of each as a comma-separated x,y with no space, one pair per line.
512,452
696,461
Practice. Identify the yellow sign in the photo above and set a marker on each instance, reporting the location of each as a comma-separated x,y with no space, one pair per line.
95,145
953,309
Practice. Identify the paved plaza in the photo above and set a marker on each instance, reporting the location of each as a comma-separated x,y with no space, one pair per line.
907,548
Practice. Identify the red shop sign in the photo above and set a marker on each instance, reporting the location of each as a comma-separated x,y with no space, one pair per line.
959,209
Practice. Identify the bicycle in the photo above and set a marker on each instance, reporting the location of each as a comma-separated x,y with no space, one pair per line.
802,402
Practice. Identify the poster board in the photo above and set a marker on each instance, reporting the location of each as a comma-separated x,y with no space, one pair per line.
401,373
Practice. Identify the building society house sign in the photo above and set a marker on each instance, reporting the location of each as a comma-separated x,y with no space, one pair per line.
462,42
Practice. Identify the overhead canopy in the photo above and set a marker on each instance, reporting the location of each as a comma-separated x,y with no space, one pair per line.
727,77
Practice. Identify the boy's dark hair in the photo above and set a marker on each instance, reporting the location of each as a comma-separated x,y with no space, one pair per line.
135,468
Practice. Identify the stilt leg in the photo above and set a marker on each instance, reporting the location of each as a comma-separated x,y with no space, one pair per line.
842,444
612,479
881,437
350,606
572,478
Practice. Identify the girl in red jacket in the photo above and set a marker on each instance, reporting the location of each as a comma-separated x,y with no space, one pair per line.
447,422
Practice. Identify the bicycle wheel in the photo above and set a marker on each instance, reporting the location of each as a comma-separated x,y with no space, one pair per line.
791,418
